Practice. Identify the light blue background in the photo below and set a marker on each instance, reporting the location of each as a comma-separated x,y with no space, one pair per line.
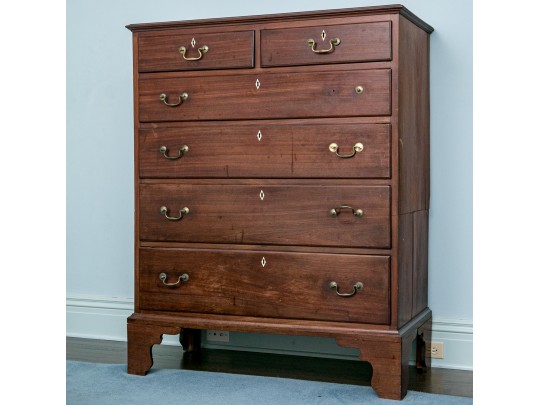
100,138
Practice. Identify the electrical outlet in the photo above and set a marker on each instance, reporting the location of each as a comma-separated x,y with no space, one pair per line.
217,335
437,350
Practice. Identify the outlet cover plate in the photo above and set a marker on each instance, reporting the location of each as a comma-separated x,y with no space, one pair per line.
437,350
217,336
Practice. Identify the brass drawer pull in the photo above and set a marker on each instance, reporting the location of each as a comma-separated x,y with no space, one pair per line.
182,98
358,147
201,51
336,211
333,41
183,211
163,277
357,286
183,149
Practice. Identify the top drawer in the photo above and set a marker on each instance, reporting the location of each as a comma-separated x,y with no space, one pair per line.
326,44
227,50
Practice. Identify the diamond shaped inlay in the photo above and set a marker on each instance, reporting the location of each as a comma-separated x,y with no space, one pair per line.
193,42
323,35
257,84
262,194
259,136
263,261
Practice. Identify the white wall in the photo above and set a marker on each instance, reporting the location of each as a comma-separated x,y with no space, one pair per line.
99,278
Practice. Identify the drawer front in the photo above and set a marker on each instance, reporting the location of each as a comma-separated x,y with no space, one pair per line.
266,214
267,284
266,95
159,53
266,150
326,44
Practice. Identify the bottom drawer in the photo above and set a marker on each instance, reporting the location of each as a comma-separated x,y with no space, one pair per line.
266,284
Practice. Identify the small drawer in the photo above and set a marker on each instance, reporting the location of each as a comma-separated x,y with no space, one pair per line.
347,43
228,50
266,95
345,216
268,149
266,284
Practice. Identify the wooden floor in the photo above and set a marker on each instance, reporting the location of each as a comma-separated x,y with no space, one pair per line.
437,380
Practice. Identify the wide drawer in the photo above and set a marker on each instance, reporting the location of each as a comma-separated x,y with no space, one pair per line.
158,53
266,150
266,214
267,284
326,44
266,95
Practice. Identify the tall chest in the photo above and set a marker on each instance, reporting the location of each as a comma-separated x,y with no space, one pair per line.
282,182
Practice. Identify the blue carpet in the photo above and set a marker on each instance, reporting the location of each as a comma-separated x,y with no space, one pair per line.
103,384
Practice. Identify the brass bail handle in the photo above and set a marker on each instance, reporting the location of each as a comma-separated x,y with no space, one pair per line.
358,147
183,211
356,287
332,42
337,210
164,98
163,149
163,277
201,51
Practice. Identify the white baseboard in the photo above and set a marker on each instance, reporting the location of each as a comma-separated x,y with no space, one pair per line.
102,318
105,318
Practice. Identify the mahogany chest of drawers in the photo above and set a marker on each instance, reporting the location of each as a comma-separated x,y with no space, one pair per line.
282,182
